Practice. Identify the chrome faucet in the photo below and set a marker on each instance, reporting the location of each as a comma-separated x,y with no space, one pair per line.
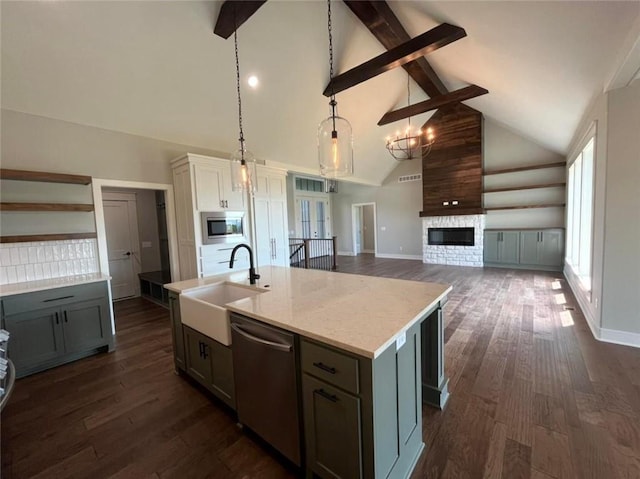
252,271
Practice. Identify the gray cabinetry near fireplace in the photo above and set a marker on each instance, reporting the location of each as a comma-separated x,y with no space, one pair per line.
55,326
501,247
526,249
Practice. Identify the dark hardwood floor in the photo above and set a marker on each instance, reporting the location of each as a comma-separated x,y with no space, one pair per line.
533,395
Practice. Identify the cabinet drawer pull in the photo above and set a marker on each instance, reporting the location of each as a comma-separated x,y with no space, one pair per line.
57,318
326,395
205,355
326,368
66,320
57,299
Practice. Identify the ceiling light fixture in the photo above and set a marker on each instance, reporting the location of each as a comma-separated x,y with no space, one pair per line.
410,144
335,138
253,81
243,163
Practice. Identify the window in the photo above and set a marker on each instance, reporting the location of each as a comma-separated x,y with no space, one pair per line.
580,212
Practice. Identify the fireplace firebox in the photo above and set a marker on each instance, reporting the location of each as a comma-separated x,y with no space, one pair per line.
451,236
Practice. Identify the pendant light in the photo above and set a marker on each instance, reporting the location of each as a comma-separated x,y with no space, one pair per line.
410,144
243,163
335,138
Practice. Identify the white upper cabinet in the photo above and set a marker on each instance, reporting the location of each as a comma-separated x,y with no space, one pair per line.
212,178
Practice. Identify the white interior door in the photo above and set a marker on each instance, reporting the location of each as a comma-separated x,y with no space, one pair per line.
122,238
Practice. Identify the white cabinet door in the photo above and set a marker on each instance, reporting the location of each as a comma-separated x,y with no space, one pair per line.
232,200
278,230
264,242
207,185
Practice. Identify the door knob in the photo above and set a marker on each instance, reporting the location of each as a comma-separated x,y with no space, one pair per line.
128,253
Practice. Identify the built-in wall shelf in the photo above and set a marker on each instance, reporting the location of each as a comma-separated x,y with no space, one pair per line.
24,207
529,187
524,207
47,237
45,207
559,164
44,177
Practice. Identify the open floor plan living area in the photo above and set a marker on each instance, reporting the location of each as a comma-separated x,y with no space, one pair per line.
326,239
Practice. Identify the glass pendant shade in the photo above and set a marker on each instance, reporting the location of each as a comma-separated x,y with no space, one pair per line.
335,147
243,170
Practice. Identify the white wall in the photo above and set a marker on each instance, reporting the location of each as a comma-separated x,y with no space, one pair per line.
621,281
32,142
504,148
398,206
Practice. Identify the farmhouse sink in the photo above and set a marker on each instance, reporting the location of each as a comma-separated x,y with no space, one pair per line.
204,309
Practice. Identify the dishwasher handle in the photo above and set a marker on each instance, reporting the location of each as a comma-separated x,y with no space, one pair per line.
279,346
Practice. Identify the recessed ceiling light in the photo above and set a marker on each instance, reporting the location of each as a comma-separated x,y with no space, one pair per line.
253,81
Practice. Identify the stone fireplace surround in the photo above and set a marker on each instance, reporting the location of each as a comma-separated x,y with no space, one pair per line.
454,255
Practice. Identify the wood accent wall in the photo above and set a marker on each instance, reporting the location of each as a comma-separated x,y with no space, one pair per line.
453,169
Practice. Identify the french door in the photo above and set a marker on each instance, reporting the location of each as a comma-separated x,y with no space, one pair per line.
313,220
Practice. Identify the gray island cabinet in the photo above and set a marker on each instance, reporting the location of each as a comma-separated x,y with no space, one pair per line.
362,417
56,326
202,358
369,353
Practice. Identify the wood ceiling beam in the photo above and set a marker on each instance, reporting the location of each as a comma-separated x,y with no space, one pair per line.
234,13
378,17
466,93
402,54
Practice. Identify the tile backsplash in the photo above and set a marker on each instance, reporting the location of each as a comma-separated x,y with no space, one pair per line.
20,262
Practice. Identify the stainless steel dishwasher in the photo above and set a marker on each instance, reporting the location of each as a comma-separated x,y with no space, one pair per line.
264,369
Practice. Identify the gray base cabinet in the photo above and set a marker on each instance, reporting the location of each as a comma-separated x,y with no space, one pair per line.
211,364
526,249
176,332
501,247
362,417
55,326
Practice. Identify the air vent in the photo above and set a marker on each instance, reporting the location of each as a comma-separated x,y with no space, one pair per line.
405,178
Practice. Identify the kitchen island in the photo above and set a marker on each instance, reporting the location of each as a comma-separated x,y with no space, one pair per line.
362,342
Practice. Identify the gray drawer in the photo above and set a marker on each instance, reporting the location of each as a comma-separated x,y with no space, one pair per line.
49,298
330,365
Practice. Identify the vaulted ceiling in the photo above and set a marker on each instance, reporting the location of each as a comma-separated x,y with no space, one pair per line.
155,69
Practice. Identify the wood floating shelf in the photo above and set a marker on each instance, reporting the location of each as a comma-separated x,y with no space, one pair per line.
46,237
560,164
45,207
23,175
525,207
530,187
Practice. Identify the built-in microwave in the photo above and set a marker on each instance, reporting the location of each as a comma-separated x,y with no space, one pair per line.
222,227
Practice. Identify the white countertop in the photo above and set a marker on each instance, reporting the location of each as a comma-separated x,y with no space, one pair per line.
42,284
361,314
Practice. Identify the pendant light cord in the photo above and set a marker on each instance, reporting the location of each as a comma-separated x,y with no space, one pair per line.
333,102
235,41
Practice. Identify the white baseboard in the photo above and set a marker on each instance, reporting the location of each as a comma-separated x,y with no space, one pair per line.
345,253
399,256
615,336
